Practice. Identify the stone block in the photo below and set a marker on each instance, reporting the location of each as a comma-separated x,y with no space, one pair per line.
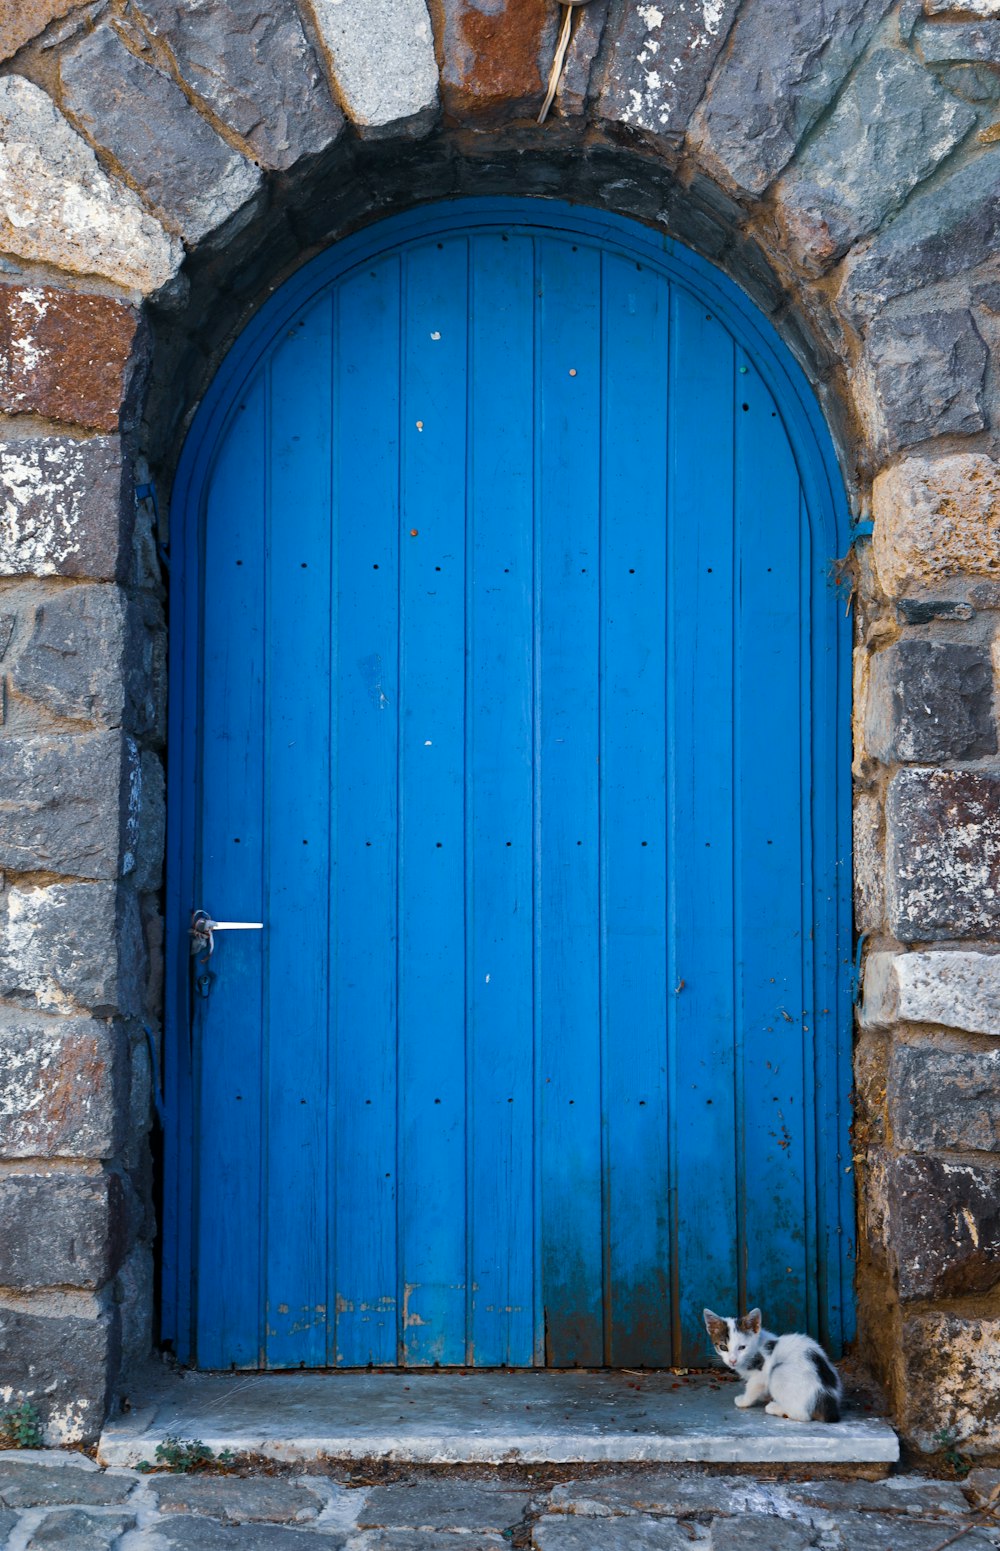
67,507
659,61
936,518
151,129
72,661
982,10
182,1533
494,59
61,1087
930,701
943,854
762,1532
955,990
558,1533
891,128
22,20
152,825
443,1505
875,1532
24,1484
67,946
59,207
74,1529
381,54
943,1226
60,1351
60,804
242,1500
64,356
257,71
940,1099
947,228
60,1230
783,66
966,42
925,377
950,1381
135,1290
869,863
574,84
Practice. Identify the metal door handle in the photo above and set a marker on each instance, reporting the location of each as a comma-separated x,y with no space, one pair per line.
203,929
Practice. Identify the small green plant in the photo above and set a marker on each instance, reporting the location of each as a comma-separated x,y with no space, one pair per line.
947,1441
21,1427
181,1455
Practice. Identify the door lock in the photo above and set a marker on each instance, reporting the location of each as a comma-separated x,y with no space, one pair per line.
203,930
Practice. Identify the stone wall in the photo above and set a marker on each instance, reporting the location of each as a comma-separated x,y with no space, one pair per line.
163,165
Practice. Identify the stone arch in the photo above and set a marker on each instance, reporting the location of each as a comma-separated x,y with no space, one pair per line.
161,168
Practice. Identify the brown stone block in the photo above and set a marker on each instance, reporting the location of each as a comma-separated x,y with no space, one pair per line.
496,58
951,1381
22,20
64,357
936,518
60,1087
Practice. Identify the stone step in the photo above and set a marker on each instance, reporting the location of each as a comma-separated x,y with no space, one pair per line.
486,1417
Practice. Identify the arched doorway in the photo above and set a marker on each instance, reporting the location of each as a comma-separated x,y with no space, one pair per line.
510,695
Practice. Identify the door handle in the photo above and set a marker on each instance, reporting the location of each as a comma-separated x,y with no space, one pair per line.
203,929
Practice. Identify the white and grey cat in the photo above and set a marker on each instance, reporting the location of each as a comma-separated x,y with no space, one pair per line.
793,1373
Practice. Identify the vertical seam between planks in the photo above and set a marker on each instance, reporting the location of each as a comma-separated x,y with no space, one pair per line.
538,1221
736,791
468,764
604,1141
263,1306
332,1107
813,1092
670,809
402,275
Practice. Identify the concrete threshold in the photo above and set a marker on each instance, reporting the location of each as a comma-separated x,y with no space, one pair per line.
484,1417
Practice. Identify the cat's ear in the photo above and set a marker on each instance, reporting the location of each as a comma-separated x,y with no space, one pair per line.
750,1323
716,1327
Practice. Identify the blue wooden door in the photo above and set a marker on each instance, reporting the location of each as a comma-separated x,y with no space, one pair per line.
514,712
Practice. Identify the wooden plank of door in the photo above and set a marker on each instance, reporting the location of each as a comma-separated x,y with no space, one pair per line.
633,819
229,1022
365,518
501,1071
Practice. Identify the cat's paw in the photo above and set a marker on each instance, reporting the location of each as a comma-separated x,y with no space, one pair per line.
743,1400
773,1409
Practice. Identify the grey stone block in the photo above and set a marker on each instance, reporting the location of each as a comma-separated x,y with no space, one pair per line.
7,1522
381,53
624,1534
67,508
239,1500
961,41
959,990
950,1382
72,661
784,64
74,1529
152,825
135,1291
61,1083
873,1532
891,128
928,374
62,1352
943,1226
60,804
943,854
60,1230
144,119
930,701
945,229
941,1099
760,1532
659,60
189,1534
59,949
61,208
911,1495
256,69
443,1505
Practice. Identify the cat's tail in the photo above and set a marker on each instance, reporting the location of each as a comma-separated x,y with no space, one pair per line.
827,1407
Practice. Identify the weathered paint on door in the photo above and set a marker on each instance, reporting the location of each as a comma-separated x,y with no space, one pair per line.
512,707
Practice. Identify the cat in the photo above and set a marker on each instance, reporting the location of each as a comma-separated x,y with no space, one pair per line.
793,1370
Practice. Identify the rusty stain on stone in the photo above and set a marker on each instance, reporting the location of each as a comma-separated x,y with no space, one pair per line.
64,356
493,54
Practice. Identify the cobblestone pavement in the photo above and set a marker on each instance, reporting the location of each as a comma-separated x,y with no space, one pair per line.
53,1500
